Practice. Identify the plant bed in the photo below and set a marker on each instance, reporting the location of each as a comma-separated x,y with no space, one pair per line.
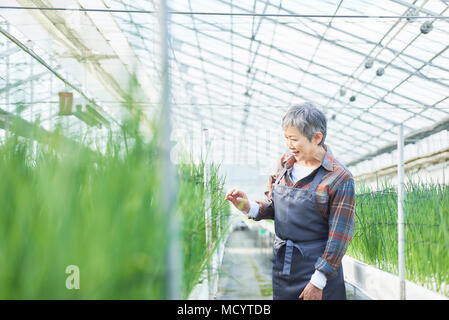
426,209
381,285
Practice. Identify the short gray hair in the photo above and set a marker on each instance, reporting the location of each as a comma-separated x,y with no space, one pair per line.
308,119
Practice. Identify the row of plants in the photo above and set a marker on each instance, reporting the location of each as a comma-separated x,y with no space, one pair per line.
197,257
426,218
100,212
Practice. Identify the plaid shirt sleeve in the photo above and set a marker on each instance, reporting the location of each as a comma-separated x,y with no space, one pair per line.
341,227
266,208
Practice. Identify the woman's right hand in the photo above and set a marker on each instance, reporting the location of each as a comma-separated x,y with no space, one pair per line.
238,199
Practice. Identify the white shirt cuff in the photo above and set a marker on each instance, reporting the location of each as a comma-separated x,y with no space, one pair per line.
319,280
253,209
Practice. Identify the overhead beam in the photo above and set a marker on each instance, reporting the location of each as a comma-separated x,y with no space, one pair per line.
423,10
30,130
335,43
409,138
51,69
23,81
288,80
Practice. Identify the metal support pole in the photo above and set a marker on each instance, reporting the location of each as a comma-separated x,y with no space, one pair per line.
7,78
31,83
401,250
208,213
174,257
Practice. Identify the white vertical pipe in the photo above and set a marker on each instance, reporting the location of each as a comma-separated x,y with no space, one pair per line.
7,78
50,112
207,211
401,249
174,258
31,83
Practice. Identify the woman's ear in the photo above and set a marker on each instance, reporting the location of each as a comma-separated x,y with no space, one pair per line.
317,138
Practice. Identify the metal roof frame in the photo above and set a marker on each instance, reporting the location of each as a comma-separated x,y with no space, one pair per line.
261,85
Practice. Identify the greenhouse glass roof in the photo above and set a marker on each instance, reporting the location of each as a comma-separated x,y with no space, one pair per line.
236,67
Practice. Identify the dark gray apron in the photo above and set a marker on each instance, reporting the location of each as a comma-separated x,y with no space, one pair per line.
301,237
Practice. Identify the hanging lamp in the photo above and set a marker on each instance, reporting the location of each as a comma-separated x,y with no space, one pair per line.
426,27
380,72
65,103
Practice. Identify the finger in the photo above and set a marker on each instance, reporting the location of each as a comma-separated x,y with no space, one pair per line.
239,194
229,195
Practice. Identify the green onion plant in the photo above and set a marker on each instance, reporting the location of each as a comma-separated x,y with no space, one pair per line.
426,209
99,211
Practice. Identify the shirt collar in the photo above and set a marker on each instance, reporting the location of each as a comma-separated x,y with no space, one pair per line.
327,162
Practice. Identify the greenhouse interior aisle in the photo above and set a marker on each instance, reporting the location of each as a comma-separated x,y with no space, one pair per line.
133,132
246,268
245,273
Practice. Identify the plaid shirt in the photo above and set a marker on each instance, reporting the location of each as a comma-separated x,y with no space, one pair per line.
335,197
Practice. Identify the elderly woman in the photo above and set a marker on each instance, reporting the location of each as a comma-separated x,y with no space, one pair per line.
311,199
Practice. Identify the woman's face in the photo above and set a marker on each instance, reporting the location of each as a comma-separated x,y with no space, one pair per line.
299,145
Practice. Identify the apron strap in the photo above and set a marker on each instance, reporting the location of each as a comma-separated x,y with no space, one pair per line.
317,179
284,170
288,256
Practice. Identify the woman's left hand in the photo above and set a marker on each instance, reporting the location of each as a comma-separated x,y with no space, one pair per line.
311,292
239,200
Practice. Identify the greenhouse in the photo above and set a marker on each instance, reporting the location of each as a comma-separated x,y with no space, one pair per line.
160,150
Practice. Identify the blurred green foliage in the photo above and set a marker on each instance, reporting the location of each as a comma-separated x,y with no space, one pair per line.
66,205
